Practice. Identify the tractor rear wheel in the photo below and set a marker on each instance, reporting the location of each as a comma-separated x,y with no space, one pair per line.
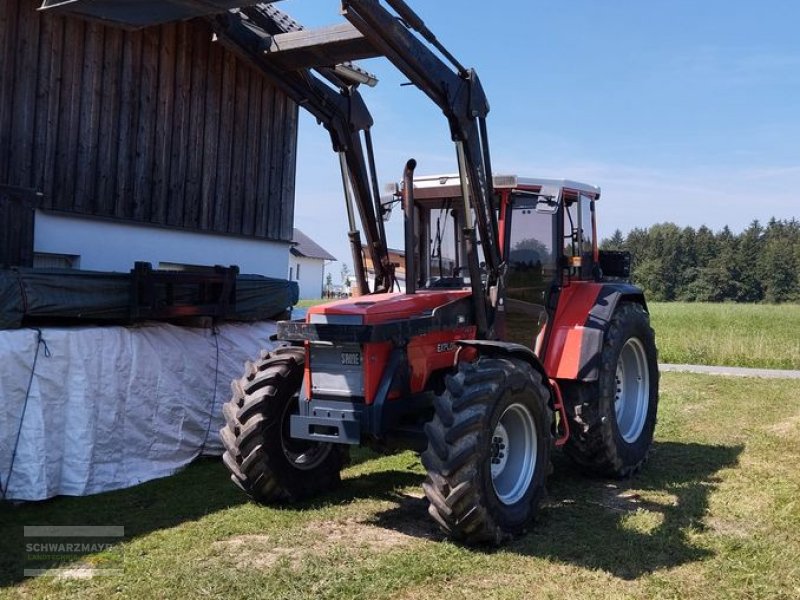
612,420
488,450
262,458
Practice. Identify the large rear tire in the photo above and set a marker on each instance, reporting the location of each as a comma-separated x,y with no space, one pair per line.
262,458
613,419
488,451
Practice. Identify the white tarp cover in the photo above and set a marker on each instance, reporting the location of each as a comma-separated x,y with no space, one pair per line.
111,407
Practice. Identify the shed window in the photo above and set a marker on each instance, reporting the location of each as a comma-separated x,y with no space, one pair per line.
49,260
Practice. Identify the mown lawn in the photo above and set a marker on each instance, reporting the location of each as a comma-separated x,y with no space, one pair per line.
310,303
715,514
739,335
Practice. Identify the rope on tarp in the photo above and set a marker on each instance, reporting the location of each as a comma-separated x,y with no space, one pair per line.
215,333
40,343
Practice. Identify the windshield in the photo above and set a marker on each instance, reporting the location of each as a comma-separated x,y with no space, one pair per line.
444,253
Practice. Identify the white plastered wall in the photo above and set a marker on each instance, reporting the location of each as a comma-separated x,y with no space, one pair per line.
311,274
111,246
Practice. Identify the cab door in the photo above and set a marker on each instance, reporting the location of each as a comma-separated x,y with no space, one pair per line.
530,250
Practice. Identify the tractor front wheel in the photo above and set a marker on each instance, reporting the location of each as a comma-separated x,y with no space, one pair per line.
612,420
488,450
262,458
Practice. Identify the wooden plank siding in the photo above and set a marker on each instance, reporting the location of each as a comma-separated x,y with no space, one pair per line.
17,208
161,126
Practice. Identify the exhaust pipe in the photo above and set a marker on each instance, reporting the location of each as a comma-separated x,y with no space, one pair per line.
409,221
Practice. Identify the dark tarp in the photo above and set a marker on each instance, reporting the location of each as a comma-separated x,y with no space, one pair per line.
31,295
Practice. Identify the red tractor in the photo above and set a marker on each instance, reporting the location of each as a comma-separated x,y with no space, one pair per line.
513,334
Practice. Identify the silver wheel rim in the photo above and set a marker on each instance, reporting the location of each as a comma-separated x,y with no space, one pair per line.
513,454
302,454
632,390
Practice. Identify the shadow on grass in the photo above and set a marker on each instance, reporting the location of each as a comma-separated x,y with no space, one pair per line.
592,523
203,488
584,522
200,489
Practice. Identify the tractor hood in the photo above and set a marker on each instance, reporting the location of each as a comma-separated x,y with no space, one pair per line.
379,308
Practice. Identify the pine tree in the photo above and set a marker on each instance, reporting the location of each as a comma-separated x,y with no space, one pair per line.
615,242
759,264
750,248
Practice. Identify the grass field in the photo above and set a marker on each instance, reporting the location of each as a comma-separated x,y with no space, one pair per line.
310,303
739,335
736,335
715,514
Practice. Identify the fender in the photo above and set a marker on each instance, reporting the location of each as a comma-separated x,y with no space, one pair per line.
581,320
494,348
556,403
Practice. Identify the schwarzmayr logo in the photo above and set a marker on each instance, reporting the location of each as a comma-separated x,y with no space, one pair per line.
73,550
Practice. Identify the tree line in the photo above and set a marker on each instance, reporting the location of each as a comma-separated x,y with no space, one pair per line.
760,264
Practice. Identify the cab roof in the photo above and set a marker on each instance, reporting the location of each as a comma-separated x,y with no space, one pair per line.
442,186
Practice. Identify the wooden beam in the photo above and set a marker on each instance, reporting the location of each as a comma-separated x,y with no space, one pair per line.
323,47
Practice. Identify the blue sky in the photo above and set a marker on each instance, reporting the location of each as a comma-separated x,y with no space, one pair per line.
680,111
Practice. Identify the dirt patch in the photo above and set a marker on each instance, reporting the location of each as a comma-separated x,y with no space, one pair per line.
620,499
729,528
259,551
409,516
76,573
788,428
319,539
356,535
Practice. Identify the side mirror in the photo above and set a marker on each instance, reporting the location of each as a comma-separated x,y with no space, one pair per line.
548,199
386,207
546,205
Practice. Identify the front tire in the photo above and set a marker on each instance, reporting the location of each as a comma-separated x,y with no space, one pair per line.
262,458
488,451
613,419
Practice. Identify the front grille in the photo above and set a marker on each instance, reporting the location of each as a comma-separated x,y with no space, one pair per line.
336,371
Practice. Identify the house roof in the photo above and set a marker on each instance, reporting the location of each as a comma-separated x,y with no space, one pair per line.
302,245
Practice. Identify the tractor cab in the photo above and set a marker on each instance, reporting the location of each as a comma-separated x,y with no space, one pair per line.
546,234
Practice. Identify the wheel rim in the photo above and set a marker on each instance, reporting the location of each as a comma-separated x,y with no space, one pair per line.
301,454
632,390
513,453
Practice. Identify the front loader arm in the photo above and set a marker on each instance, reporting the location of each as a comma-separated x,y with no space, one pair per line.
458,93
340,109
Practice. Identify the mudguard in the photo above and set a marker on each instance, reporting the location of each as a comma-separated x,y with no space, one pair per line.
495,348
579,326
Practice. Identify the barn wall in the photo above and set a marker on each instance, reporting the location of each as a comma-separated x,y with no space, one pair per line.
158,126
17,208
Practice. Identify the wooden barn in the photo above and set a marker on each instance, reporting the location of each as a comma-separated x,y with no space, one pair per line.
157,145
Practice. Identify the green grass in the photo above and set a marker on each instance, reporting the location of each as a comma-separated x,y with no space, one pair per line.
740,335
737,335
310,303
715,514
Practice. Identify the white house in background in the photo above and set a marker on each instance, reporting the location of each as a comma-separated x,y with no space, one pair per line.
307,265
398,259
